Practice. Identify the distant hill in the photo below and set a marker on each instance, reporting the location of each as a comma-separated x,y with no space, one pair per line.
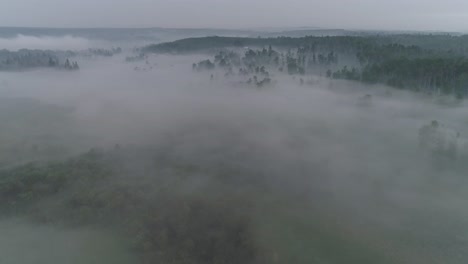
120,34
171,34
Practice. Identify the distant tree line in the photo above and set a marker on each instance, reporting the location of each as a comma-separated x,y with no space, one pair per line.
28,59
101,52
455,45
428,63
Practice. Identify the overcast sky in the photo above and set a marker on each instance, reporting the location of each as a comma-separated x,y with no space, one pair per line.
349,14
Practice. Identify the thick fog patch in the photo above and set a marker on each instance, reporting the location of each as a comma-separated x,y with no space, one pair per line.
334,173
25,243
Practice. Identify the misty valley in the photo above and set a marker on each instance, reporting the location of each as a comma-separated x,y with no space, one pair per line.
177,146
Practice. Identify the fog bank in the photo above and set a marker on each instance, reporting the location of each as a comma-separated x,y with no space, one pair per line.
356,170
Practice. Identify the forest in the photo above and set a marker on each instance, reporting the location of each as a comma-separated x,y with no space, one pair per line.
25,59
433,64
226,150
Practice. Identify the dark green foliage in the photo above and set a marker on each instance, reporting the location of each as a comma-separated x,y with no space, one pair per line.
346,73
213,43
429,63
52,62
292,66
204,65
197,230
166,223
135,58
33,181
104,52
457,45
227,59
405,43
29,59
254,58
447,75
71,66
26,59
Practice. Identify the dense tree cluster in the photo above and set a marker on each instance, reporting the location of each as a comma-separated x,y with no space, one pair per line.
99,52
105,52
457,45
252,65
434,64
454,44
257,65
28,59
139,57
440,142
163,223
227,59
203,65
71,66
341,44
345,73
432,75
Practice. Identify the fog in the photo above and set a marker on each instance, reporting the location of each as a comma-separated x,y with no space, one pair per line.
24,243
352,175
45,43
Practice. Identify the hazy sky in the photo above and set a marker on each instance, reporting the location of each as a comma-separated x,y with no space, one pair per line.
363,14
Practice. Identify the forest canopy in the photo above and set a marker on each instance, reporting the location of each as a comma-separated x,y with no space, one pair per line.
435,64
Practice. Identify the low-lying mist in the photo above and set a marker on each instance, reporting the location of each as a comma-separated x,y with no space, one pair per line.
321,177
67,42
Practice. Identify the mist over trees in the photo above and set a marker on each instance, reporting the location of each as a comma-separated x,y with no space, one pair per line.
32,59
221,150
437,67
